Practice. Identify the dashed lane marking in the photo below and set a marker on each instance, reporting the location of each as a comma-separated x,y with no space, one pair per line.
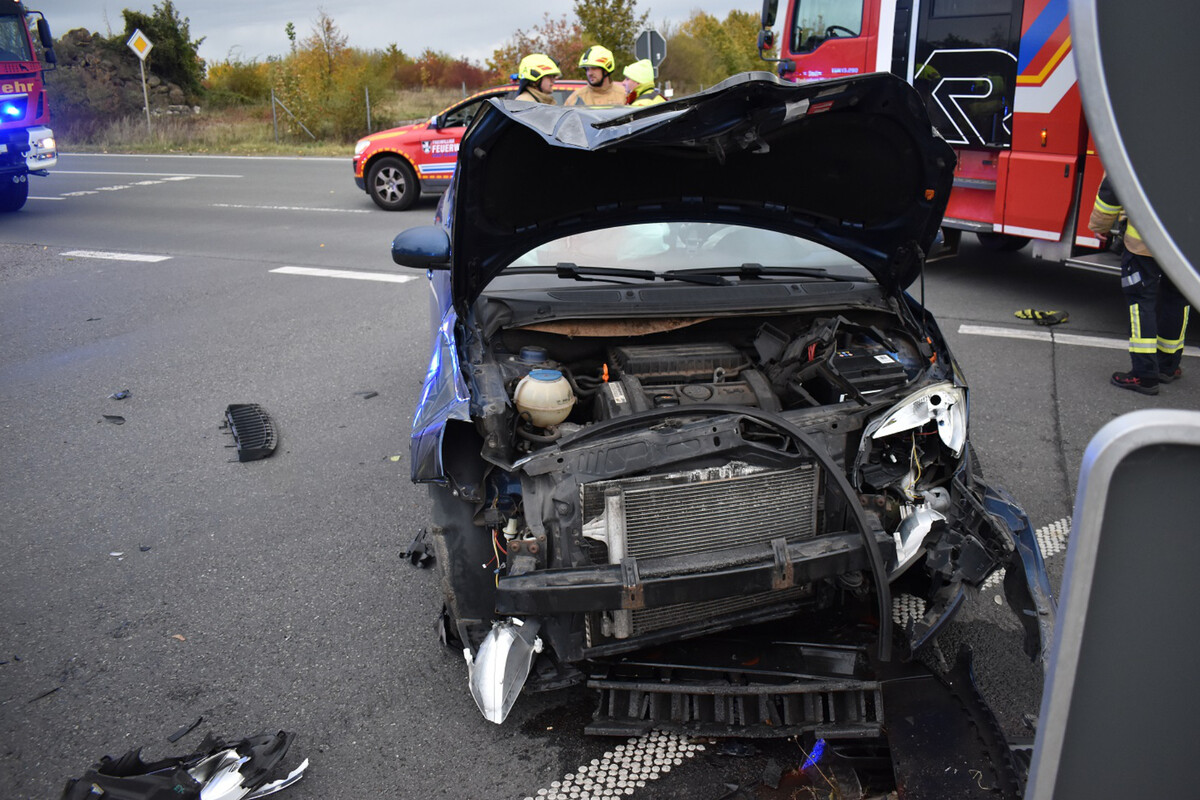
1057,338
623,770
353,275
296,208
115,256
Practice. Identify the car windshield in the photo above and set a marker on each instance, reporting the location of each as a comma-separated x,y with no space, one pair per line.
671,247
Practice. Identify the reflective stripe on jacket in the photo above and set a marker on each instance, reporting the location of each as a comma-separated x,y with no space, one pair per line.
1105,212
648,97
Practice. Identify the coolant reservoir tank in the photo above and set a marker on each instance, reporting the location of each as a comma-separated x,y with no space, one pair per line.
544,397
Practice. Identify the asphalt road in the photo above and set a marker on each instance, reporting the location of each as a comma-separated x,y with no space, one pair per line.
149,579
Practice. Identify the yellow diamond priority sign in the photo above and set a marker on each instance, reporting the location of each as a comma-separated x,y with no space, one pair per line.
139,44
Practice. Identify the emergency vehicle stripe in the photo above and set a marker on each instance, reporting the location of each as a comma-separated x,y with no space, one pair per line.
1040,31
1035,99
1051,65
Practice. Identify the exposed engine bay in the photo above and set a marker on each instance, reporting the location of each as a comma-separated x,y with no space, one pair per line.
717,473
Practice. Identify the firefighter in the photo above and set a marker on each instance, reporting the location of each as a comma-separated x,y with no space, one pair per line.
598,64
536,73
1158,313
639,82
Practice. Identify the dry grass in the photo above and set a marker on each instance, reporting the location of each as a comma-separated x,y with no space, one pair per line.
246,130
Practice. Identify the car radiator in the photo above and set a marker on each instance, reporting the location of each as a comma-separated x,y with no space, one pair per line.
685,513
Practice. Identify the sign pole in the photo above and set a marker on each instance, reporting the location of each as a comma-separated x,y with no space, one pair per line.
145,96
141,47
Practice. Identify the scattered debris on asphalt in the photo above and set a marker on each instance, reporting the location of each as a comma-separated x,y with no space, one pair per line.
1042,317
367,395
117,554
121,395
244,770
184,731
145,548
114,419
46,693
418,552
253,431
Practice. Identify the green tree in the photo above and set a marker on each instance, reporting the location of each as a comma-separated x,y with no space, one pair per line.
175,56
614,24
704,50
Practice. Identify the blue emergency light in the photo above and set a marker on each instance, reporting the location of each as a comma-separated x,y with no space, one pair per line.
11,110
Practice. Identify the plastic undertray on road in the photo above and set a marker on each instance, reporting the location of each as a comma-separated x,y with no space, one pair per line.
253,431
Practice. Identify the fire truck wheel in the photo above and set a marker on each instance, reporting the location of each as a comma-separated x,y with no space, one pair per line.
13,194
392,184
1001,242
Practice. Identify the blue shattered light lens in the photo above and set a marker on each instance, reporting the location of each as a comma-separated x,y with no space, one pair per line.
817,751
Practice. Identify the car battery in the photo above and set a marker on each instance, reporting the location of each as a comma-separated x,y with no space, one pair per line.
867,368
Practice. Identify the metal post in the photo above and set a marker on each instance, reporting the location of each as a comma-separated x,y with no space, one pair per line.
367,90
145,95
274,118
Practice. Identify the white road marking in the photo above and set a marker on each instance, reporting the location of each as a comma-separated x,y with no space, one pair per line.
386,277
175,175
115,256
1057,338
296,208
623,770
32,197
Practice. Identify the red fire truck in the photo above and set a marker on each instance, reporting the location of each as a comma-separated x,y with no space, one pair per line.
27,144
998,79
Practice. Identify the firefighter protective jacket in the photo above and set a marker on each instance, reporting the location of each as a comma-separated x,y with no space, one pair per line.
1106,211
589,95
647,95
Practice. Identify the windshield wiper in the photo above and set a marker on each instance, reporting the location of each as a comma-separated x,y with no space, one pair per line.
565,269
751,270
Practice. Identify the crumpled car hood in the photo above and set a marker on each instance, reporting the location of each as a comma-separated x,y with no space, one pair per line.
853,164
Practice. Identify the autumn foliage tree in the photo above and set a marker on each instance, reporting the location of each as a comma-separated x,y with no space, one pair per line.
558,37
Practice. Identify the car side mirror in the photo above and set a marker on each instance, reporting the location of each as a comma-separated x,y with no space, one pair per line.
426,247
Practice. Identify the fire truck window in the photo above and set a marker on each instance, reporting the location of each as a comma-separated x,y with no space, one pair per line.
943,9
818,21
13,44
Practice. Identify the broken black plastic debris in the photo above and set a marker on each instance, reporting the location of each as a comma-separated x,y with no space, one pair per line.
245,770
772,774
418,552
114,419
121,395
145,548
46,693
253,431
736,748
367,395
184,731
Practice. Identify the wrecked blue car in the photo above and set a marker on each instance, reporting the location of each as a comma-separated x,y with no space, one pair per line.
677,387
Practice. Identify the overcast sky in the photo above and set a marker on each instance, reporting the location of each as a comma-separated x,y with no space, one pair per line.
254,29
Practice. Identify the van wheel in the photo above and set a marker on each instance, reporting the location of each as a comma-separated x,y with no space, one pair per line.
392,184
